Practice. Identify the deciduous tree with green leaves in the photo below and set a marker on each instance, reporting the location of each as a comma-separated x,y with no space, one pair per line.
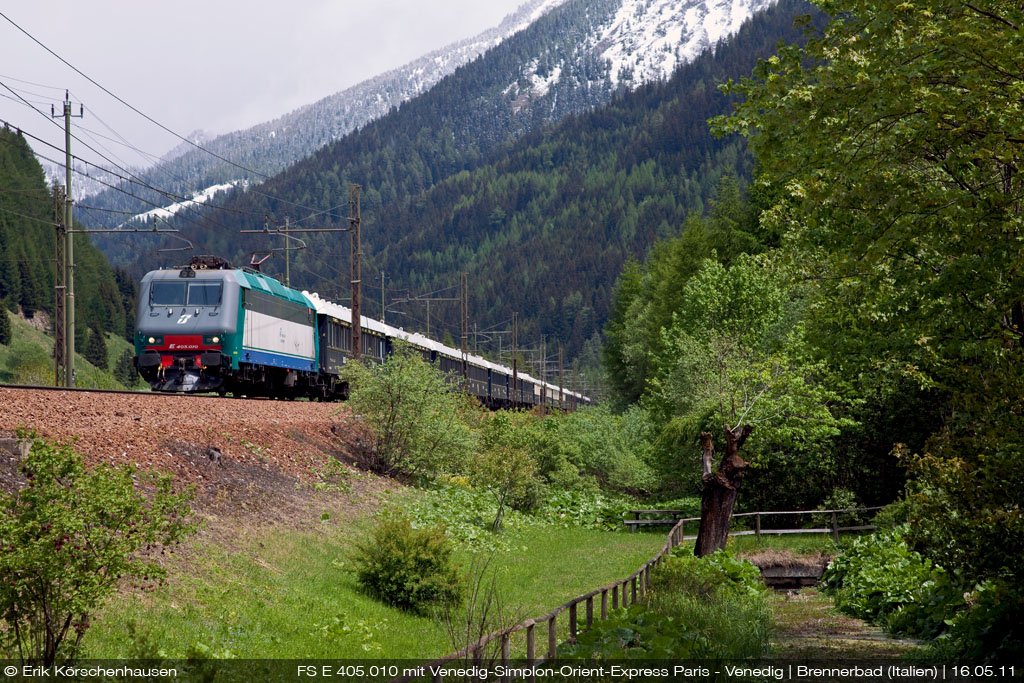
413,412
735,359
67,537
898,136
503,464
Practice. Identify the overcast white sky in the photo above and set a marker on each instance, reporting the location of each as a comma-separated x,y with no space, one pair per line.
215,65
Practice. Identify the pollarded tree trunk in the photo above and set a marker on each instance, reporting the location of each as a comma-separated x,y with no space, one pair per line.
720,489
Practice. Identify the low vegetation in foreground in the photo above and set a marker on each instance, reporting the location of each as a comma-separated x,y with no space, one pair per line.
709,609
880,579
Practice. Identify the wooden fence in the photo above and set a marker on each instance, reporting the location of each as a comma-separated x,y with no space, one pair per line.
596,603
674,517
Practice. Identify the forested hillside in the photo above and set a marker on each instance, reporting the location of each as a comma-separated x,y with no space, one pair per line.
104,298
269,147
542,223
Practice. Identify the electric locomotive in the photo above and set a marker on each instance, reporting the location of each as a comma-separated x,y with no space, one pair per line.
208,327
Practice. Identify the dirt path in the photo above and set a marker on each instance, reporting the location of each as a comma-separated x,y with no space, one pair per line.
809,627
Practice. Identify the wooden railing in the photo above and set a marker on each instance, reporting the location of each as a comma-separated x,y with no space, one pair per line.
672,517
619,593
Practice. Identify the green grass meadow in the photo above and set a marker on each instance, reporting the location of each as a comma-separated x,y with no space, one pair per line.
290,594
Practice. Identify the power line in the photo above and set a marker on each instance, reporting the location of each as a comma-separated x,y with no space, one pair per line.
111,186
134,109
21,100
138,180
187,204
38,85
30,218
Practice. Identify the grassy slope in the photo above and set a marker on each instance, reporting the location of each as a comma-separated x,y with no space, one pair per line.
29,359
291,594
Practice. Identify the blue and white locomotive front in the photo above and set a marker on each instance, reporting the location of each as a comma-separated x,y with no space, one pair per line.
222,329
186,326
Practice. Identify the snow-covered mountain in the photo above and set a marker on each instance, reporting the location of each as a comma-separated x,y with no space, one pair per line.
647,40
557,57
271,146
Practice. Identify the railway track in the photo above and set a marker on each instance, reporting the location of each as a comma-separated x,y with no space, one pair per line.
129,392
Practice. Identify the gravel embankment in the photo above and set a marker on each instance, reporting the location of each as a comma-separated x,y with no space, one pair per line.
236,451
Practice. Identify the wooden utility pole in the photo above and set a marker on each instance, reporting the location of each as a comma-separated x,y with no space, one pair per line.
69,249
515,359
465,327
287,255
575,398
355,269
561,385
59,272
543,375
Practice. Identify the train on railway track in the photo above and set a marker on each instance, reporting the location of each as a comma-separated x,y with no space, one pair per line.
209,327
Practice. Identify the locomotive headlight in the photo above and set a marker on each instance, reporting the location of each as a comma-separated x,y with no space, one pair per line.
216,340
152,340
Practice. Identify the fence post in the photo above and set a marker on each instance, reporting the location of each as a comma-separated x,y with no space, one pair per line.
835,527
506,653
757,526
531,644
437,677
552,640
572,623
615,596
590,612
633,585
604,604
647,578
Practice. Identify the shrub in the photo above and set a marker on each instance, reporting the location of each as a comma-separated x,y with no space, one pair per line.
68,537
990,630
893,515
587,509
875,575
879,578
930,606
408,568
712,574
503,466
839,499
700,608
413,412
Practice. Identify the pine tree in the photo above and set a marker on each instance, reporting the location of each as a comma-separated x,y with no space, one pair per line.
124,370
96,349
5,324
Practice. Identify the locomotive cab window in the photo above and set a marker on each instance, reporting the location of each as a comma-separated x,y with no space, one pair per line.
204,293
167,293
